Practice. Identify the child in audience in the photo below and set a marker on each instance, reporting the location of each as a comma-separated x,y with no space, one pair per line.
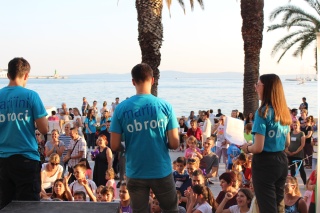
247,132
85,162
107,194
201,200
292,197
110,180
180,175
79,196
307,194
81,183
124,199
232,152
98,192
59,191
155,208
193,150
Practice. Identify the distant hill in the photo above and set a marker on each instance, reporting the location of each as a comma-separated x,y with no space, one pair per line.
176,74
167,74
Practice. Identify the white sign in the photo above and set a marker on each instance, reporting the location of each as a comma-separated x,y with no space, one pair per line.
234,131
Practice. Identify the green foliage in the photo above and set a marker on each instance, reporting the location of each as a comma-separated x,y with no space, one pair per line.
304,26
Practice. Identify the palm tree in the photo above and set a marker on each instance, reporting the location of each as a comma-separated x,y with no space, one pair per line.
307,26
150,31
252,28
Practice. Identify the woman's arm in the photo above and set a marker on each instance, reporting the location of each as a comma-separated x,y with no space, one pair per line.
309,134
60,149
302,206
109,157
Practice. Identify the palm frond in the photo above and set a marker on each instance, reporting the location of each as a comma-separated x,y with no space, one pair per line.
305,42
287,47
284,41
169,5
314,4
181,2
201,4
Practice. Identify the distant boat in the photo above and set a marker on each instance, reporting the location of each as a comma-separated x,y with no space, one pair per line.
294,79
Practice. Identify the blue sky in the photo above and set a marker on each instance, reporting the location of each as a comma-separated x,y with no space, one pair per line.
100,36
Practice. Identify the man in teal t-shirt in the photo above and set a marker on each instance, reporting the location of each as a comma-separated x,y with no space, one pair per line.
150,128
20,110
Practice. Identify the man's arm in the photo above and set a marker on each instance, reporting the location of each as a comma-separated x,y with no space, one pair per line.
42,125
173,138
115,141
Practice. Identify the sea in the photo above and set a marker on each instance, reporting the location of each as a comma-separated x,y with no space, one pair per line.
185,91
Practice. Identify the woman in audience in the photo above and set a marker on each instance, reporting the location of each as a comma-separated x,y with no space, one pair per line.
55,145
77,120
102,157
201,200
50,172
90,123
243,198
59,191
228,182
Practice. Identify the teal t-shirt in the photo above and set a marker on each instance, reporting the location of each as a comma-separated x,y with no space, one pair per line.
19,108
144,120
91,125
275,134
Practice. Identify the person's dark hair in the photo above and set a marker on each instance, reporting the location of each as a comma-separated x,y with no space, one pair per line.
248,118
89,115
207,195
206,113
229,177
18,67
141,72
211,110
53,112
219,110
294,110
248,194
248,127
273,96
182,160
54,195
107,189
87,162
241,116
81,193
242,156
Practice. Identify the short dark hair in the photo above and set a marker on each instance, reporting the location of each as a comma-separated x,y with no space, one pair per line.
141,72
229,177
81,193
17,67
182,160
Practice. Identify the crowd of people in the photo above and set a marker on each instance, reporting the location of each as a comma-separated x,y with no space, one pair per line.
131,159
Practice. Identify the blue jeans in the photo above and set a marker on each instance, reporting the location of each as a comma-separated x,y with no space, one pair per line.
19,179
163,188
91,140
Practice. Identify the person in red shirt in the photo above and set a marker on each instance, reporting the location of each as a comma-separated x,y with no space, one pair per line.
195,131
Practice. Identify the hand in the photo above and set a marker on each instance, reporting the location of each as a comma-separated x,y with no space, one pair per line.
66,178
83,182
193,197
244,148
187,192
228,196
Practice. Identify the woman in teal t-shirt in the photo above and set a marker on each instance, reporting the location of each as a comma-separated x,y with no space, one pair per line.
271,136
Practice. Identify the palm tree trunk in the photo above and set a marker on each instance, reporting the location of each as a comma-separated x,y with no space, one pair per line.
150,35
252,28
